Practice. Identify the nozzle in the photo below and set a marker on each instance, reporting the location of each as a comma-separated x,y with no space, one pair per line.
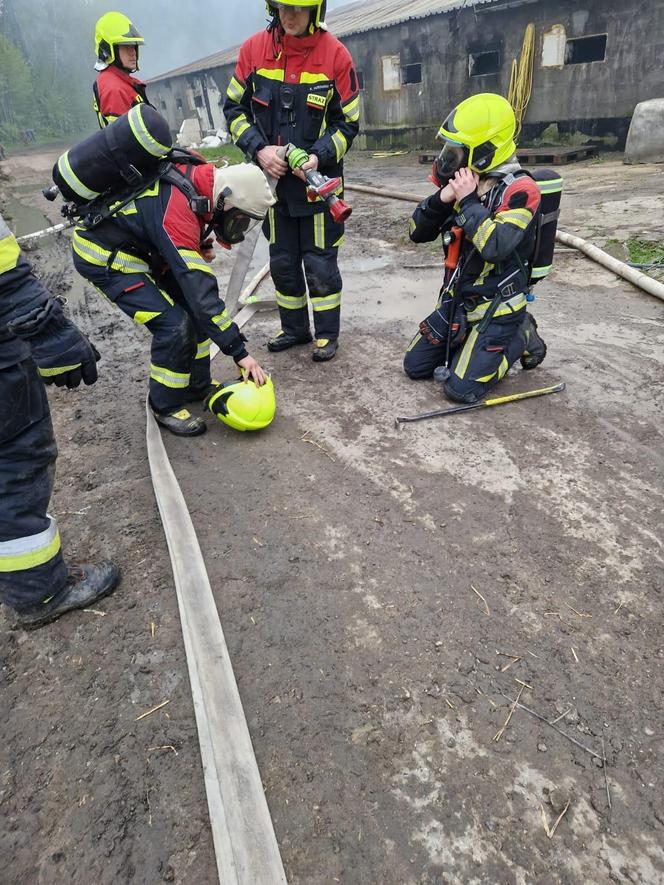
339,210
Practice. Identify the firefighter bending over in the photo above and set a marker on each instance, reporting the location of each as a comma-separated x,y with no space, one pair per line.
487,209
38,345
295,84
116,46
151,258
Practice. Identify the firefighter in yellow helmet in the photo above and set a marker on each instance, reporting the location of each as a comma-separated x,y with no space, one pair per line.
487,209
295,83
117,43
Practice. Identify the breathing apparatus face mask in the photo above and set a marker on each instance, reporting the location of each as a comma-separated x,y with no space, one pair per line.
231,225
453,157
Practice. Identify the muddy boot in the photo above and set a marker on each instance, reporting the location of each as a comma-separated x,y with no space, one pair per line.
85,585
283,340
181,422
324,350
535,349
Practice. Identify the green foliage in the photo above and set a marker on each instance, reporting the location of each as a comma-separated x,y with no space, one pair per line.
15,91
226,152
645,251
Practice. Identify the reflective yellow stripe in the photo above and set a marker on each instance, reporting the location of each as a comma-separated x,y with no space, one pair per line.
10,252
328,302
340,144
500,371
488,267
169,378
339,241
203,349
26,553
270,221
97,255
144,316
538,272
518,217
150,191
291,302
415,340
271,73
64,168
352,110
466,353
238,126
319,230
483,233
57,370
235,90
309,77
554,186
514,304
143,135
194,261
222,320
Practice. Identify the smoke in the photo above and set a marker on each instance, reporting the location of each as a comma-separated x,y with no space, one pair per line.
174,36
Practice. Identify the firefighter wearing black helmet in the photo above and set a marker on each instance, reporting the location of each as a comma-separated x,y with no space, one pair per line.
296,83
487,206
117,43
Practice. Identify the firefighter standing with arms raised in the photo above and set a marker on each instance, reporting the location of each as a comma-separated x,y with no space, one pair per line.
295,84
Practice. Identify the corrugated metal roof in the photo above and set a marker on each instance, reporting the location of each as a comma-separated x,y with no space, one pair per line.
354,18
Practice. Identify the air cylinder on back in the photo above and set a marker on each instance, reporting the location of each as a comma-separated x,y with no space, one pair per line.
550,184
124,153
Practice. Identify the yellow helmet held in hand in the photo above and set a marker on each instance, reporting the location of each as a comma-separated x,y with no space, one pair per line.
483,127
115,29
317,7
243,406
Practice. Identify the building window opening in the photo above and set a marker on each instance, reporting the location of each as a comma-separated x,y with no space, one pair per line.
360,79
178,102
198,101
581,50
482,63
411,74
163,105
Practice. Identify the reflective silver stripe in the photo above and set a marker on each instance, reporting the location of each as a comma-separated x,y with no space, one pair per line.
142,134
20,554
168,378
291,302
64,168
4,229
505,307
328,302
203,349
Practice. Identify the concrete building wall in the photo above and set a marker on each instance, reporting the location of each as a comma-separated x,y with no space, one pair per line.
593,98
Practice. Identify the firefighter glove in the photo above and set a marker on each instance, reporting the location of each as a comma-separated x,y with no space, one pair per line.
63,354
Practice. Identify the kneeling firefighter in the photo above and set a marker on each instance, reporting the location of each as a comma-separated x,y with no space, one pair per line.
117,43
489,212
38,345
150,256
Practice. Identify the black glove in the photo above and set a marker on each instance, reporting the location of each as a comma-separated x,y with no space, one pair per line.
62,352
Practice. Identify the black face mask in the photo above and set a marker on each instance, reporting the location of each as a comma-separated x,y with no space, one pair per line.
231,225
452,158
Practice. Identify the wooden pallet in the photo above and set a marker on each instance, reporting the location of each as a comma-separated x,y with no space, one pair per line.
556,155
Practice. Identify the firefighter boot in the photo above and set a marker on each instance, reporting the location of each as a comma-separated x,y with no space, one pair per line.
85,585
535,348
283,340
181,422
325,349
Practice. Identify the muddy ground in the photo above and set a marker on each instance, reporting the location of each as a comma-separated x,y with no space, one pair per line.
384,593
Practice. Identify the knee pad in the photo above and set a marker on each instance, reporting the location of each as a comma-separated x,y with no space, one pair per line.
323,276
459,391
286,273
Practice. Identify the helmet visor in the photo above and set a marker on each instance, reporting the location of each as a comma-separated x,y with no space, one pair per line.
454,156
232,225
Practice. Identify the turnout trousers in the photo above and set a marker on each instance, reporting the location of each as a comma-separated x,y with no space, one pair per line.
180,356
481,359
303,255
32,569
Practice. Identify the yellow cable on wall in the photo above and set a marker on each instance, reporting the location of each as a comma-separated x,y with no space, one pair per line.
521,78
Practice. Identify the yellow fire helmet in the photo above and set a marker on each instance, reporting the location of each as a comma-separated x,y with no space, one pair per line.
243,406
316,6
484,125
115,29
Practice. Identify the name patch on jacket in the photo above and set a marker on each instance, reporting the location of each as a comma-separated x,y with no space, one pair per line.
316,101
